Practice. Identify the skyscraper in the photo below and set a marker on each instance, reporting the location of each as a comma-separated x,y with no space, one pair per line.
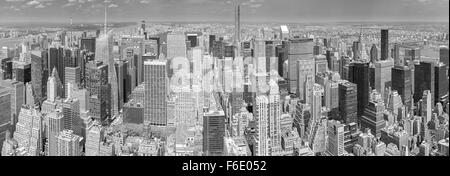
298,50
443,55
237,20
176,45
402,83
94,135
348,102
71,113
261,115
5,116
29,131
99,90
373,117
213,133
359,74
17,91
373,53
156,90
39,75
68,144
103,52
384,44
441,83
55,124
335,145
274,114
383,75
424,77
73,77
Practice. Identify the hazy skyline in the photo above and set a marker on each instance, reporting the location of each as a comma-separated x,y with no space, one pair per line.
223,10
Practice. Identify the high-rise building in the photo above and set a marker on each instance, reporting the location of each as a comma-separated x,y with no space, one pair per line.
55,124
94,135
16,90
176,45
261,114
384,44
374,53
99,90
443,55
395,54
305,69
299,50
71,113
73,77
426,106
56,60
213,133
68,144
28,132
424,77
383,75
441,83
5,115
402,83
156,91
6,68
335,133
274,114
104,53
39,75
373,117
237,30
212,39
359,74
87,44
348,102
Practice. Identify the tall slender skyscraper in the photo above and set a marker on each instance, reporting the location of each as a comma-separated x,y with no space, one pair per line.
237,20
384,44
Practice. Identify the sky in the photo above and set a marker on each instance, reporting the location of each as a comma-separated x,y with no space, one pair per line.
223,10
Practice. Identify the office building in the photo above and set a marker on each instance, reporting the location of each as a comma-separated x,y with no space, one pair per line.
28,132
99,90
384,44
374,54
348,102
373,117
335,133
359,74
261,115
424,79
95,133
17,92
156,91
213,133
402,83
39,75
299,51
176,45
440,83
383,75
5,116
68,144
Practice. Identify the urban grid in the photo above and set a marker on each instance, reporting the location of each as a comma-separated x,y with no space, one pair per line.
238,88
